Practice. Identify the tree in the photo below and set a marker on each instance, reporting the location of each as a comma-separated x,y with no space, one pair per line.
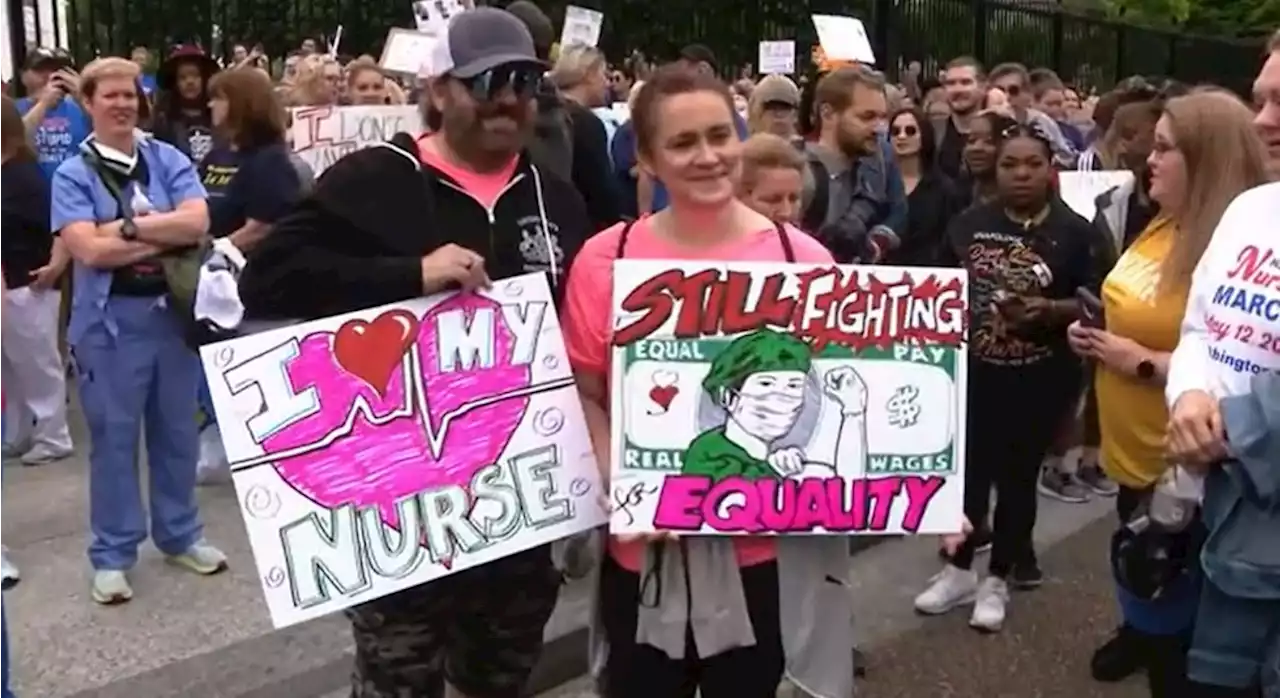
1218,17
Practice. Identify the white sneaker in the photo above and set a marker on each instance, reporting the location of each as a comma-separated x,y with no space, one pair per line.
40,454
201,558
988,610
950,588
111,587
9,575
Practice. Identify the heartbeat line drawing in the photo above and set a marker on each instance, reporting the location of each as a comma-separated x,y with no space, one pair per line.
416,397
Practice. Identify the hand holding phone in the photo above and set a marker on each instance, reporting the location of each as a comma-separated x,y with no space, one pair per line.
1091,310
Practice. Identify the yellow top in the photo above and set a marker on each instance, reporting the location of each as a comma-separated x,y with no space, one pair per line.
1131,412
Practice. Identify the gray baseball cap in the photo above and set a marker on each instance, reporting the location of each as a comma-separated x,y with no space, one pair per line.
482,39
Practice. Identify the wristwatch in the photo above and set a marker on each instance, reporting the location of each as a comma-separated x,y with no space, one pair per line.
1146,369
129,229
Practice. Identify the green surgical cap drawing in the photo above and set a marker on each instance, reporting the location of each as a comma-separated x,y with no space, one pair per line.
759,379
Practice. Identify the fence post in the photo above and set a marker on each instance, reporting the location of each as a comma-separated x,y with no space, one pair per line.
980,30
882,16
1055,43
1121,34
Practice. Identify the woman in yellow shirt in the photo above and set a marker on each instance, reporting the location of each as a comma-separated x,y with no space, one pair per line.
1205,153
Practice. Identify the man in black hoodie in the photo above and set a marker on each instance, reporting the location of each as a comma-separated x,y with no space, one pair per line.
408,218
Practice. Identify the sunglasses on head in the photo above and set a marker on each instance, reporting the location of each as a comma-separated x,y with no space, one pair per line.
485,87
909,130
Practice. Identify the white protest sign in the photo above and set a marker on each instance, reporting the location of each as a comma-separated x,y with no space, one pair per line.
581,26
844,39
434,15
805,400
408,52
383,449
322,135
777,57
1081,190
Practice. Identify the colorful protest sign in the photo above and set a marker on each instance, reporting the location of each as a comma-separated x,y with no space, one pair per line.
380,450
775,398
322,135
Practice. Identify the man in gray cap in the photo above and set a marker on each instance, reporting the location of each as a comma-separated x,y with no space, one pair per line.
416,216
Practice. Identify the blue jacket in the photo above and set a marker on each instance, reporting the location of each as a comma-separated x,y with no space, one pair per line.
1242,498
78,194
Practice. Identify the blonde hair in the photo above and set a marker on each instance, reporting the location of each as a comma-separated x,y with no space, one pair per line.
308,80
1223,156
107,68
765,151
575,65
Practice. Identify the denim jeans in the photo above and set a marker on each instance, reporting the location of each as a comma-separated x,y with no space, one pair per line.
5,692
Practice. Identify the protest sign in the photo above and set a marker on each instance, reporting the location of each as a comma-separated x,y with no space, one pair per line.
386,448
844,39
322,135
1081,191
408,53
581,26
434,15
777,57
776,398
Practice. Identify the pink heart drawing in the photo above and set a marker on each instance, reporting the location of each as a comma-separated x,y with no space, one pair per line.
380,465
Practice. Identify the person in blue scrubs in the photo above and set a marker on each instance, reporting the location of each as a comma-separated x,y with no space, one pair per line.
51,113
133,365
142,56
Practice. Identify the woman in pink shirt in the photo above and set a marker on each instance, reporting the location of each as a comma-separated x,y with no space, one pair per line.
685,138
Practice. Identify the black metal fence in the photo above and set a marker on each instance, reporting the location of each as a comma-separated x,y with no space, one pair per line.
1088,51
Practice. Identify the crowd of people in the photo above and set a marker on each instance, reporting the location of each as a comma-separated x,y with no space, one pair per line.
1114,357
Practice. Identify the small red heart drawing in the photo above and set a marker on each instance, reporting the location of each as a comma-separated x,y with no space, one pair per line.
662,395
371,351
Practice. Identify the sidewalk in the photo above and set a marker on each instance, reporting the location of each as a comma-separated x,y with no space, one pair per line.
189,637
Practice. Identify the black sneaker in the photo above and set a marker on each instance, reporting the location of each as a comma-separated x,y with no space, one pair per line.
981,543
1120,657
859,664
1026,576
1061,486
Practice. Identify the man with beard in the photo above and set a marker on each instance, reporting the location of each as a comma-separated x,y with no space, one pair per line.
447,211
966,89
1266,95
855,197
182,116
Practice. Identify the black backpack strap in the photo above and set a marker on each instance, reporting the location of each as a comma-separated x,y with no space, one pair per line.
788,251
816,214
622,239
99,167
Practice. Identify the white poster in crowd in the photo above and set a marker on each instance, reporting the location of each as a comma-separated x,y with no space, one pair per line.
805,400
386,448
844,39
322,135
407,52
777,57
1083,191
433,15
582,26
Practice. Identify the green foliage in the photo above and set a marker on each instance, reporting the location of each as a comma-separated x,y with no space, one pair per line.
1229,17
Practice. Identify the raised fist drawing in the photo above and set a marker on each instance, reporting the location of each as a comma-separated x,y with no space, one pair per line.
846,387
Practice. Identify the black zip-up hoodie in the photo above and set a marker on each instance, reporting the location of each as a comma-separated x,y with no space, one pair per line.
358,240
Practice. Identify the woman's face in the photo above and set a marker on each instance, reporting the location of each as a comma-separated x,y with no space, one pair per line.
1168,168
779,119
190,81
1023,173
775,194
980,148
695,149
620,84
1071,101
114,105
1135,135
332,81
905,132
368,87
218,106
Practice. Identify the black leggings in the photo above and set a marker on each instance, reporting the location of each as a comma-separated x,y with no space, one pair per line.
641,671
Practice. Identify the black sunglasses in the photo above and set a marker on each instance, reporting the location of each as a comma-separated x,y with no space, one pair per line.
485,87
1012,90
909,130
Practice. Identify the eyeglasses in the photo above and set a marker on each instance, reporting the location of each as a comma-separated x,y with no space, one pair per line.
1013,90
485,87
909,130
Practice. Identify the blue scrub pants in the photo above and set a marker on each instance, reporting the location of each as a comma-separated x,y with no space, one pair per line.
144,375
4,656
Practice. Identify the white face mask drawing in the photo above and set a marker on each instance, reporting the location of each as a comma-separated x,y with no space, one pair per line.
768,403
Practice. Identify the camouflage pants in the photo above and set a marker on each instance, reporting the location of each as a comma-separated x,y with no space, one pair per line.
480,630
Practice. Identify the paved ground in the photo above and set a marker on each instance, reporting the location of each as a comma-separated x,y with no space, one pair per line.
186,637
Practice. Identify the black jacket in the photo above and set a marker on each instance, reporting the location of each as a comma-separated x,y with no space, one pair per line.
930,207
358,240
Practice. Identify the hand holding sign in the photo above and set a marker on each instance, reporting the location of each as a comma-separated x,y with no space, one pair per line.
844,39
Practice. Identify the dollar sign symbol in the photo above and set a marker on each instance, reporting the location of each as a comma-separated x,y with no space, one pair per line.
903,409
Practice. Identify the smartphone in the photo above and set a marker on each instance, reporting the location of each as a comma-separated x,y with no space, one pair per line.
1091,312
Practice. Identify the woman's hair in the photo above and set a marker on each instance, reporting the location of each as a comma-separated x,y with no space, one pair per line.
254,117
765,151
575,65
669,81
14,142
105,69
928,139
1031,130
769,88
356,67
308,80
1224,156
